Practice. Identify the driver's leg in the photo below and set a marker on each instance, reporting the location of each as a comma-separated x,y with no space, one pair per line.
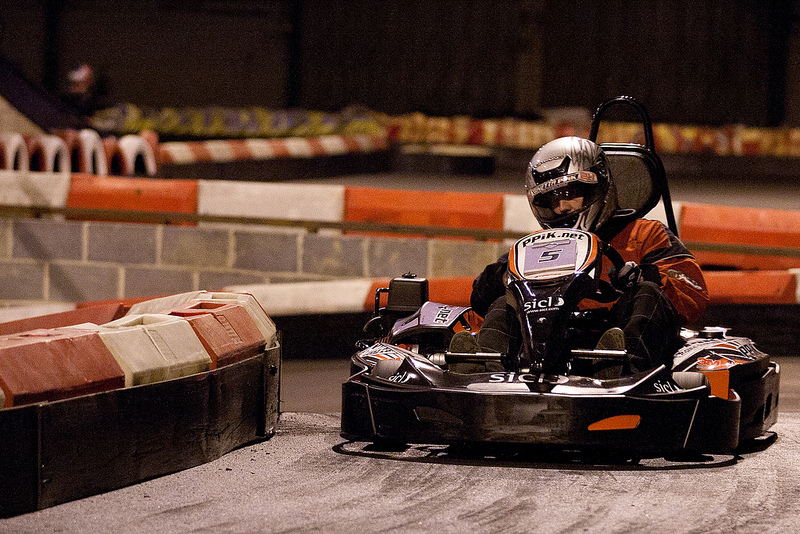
500,331
651,326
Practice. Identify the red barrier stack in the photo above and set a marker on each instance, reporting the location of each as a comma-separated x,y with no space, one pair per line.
48,365
226,330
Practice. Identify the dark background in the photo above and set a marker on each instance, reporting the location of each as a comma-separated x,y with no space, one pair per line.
690,61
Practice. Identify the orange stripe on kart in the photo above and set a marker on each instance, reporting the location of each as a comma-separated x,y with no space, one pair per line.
719,381
617,422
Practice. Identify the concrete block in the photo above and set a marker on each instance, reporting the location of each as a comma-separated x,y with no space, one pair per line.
393,257
76,283
47,239
333,255
261,251
122,243
6,238
460,258
145,282
194,246
21,281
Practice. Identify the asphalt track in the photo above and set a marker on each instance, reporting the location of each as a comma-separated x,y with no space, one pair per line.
308,479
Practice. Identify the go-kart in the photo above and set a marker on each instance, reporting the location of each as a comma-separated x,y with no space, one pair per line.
410,383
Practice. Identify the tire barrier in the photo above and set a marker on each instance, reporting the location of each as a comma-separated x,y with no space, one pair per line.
728,140
47,153
138,156
14,152
86,151
81,151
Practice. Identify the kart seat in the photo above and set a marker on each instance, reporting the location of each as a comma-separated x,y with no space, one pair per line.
637,170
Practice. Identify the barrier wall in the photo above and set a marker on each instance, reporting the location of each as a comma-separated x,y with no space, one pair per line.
226,330
158,259
48,365
74,261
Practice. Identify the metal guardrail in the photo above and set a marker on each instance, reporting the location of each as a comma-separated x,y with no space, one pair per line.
478,234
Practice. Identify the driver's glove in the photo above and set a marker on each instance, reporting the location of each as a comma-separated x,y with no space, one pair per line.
626,277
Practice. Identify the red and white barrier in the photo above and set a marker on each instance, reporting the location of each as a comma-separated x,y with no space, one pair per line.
138,156
255,149
47,153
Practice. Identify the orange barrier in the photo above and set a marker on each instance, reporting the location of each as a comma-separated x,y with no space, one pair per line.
751,287
727,225
136,194
424,208
226,330
47,365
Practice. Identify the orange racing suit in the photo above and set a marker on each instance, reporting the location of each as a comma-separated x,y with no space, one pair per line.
671,293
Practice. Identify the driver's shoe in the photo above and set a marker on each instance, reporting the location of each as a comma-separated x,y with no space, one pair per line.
464,341
612,339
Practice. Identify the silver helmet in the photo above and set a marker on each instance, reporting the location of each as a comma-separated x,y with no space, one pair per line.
569,185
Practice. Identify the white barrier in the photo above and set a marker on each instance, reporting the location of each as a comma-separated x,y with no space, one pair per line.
14,152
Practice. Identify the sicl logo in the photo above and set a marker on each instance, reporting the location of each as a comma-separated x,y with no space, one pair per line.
549,303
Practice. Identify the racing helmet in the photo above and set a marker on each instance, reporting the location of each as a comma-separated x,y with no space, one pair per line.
571,168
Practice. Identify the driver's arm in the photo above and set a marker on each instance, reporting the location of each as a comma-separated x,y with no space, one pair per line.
489,285
681,276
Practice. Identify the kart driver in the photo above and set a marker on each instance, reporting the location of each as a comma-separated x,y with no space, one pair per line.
659,288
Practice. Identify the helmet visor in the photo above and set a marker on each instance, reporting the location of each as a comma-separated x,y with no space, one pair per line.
566,195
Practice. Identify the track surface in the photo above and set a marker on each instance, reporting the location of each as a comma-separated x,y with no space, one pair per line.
307,478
